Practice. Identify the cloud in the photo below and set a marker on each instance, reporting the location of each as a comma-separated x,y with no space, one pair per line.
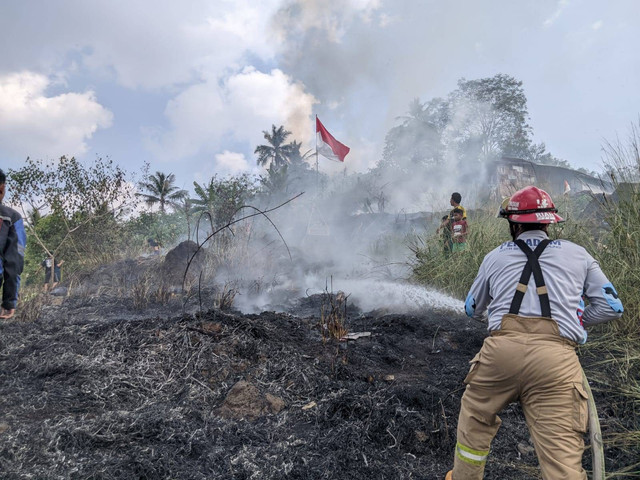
236,109
234,163
32,124
149,44
150,55
562,4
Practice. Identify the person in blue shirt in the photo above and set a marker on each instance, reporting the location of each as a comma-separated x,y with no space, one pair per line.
13,240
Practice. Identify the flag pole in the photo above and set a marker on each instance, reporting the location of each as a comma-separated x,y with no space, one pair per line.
316,135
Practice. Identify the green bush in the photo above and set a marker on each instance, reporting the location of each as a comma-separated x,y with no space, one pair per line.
165,228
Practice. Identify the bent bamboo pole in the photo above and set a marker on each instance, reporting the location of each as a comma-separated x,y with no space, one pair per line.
597,447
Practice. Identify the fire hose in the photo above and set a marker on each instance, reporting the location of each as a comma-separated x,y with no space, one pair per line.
597,450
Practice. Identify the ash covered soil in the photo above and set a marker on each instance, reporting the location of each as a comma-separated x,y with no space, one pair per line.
97,389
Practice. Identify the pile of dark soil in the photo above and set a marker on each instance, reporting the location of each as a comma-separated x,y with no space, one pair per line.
142,275
94,389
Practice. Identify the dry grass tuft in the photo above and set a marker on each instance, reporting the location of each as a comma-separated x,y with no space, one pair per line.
31,304
333,315
140,293
226,296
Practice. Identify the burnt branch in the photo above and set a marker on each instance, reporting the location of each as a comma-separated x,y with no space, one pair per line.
228,225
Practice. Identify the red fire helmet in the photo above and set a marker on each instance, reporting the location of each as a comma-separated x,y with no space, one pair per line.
530,205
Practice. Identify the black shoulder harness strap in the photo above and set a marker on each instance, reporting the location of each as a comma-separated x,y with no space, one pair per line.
532,265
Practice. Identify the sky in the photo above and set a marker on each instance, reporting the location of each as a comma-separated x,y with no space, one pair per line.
188,87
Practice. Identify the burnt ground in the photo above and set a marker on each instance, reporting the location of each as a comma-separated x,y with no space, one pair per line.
96,388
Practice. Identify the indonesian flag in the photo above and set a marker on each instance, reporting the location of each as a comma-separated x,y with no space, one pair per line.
328,146
567,187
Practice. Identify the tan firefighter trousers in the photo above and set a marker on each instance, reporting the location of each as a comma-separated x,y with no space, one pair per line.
526,361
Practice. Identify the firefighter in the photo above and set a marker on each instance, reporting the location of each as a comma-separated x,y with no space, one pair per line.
533,290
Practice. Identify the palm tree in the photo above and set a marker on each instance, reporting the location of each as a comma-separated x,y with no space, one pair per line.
277,152
297,158
186,207
221,199
296,173
276,179
415,114
207,198
161,190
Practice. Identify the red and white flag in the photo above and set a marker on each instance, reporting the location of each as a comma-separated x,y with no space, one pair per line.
328,146
567,187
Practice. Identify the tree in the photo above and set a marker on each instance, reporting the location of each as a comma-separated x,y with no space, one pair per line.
161,190
491,118
186,208
165,228
453,137
276,152
71,210
205,203
297,159
232,194
221,199
418,141
297,174
275,182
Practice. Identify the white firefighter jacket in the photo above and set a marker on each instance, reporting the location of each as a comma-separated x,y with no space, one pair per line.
569,273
